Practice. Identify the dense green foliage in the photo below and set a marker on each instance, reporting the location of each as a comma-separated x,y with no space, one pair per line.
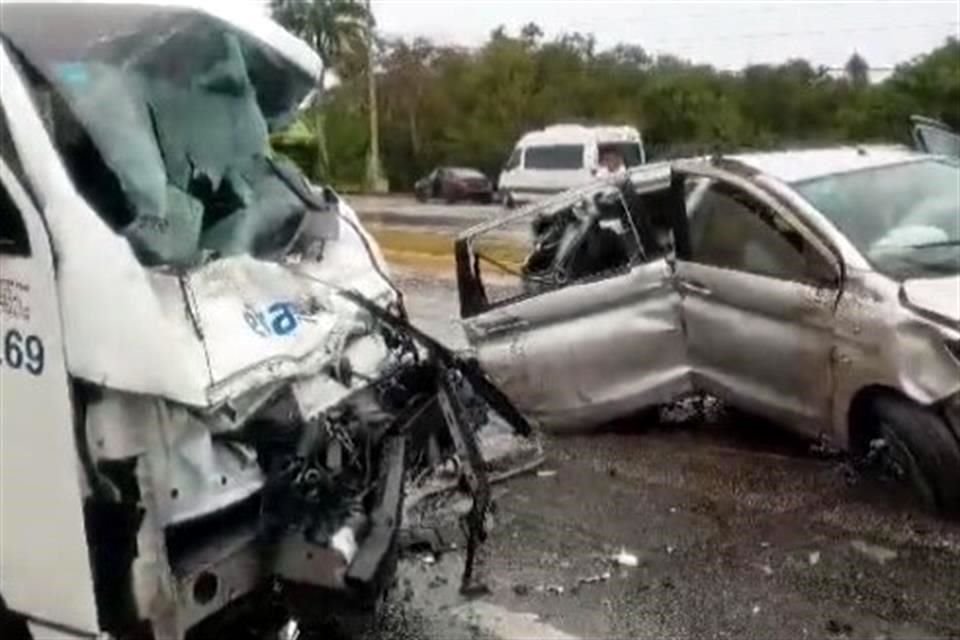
443,105
335,29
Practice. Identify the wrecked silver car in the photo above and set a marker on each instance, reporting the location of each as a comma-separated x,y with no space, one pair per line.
819,289
209,389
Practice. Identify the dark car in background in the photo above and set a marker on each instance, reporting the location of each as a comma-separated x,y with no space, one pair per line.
454,184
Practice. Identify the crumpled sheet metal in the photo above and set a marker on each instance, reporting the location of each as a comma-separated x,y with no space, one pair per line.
191,474
217,332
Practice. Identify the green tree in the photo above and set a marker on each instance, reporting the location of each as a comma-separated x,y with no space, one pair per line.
332,28
449,105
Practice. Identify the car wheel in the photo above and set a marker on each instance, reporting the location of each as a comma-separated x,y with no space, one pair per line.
421,196
509,201
916,447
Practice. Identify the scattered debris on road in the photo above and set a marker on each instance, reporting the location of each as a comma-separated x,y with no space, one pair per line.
601,577
880,554
837,628
625,559
546,473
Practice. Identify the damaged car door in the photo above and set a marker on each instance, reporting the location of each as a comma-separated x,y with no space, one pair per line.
570,306
758,296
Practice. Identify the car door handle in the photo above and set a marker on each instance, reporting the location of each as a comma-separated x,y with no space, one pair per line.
696,287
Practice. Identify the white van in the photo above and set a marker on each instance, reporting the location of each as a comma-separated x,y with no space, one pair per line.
209,399
564,156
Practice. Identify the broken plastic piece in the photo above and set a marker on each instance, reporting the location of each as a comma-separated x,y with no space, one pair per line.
625,559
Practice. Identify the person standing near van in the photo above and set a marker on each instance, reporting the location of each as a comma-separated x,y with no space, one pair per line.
611,164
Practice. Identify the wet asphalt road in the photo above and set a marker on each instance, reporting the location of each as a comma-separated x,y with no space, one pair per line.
738,531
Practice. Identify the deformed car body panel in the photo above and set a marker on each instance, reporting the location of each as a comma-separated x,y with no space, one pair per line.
598,334
735,319
596,320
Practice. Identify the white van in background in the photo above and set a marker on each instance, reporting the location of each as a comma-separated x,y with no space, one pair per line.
564,156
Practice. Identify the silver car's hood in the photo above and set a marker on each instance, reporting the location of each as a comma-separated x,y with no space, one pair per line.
938,295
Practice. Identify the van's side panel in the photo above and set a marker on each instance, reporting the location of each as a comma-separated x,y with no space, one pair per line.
45,570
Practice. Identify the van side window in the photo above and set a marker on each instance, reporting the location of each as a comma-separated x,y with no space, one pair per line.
513,162
554,156
13,231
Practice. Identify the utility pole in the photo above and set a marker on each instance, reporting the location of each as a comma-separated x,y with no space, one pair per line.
376,182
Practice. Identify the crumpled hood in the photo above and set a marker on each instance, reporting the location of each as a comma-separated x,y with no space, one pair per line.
203,336
936,295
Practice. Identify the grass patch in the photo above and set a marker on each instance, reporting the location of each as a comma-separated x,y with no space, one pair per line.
434,251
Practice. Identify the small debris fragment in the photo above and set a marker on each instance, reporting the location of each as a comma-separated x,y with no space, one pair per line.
756,609
428,558
814,558
767,570
836,628
670,550
625,559
602,577
546,473
764,545
521,590
474,590
289,631
673,509
555,589
874,552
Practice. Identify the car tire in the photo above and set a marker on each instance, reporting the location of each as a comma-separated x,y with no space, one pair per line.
421,196
509,201
920,449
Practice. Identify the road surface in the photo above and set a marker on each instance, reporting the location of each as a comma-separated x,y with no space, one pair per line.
737,532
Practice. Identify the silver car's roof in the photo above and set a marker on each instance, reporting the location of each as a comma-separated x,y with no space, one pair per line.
248,17
797,165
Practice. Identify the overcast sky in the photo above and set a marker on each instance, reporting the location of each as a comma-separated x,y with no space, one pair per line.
725,34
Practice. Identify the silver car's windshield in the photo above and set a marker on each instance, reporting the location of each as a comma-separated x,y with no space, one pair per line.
905,218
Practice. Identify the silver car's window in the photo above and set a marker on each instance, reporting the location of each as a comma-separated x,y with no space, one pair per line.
555,156
905,218
591,238
731,230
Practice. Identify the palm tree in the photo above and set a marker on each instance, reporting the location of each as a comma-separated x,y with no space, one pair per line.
332,28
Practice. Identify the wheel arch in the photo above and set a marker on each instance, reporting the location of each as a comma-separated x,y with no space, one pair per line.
859,430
